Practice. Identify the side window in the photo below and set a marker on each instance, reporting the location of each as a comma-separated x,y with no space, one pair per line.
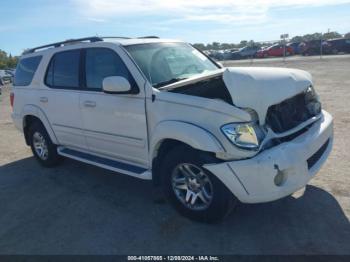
25,70
101,63
63,70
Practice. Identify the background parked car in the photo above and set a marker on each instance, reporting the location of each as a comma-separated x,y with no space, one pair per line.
275,50
11,73
313,47
216,54
228,54
339,45
245,52
5,76
295,46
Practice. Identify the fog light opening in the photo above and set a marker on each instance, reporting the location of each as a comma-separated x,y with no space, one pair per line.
280,178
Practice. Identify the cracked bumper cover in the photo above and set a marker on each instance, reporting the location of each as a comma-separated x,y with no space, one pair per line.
252,180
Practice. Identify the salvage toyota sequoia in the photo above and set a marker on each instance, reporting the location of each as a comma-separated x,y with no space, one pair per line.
162,110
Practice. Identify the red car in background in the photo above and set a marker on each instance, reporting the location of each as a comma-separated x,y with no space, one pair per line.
275,50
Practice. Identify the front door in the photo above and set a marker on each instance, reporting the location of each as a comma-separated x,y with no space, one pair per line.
114,124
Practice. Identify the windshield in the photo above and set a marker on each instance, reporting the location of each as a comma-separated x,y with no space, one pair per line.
166,63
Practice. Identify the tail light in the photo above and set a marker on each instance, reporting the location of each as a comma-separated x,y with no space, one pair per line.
12,99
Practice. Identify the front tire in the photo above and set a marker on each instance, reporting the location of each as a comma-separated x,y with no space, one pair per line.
192,190
42,147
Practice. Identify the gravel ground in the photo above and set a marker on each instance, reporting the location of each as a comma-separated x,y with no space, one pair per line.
81,209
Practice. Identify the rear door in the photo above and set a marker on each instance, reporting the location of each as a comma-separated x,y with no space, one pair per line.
114,124
60,98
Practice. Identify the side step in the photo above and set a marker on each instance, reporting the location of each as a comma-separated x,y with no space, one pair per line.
106,163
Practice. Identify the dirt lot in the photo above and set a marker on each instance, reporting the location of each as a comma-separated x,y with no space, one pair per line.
80,209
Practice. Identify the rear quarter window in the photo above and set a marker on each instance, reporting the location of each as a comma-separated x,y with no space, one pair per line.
25,70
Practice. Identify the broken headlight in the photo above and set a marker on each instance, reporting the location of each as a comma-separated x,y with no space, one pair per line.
244,135
312,101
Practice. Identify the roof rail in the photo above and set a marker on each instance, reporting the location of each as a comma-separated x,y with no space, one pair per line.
149,36
58,44
117,37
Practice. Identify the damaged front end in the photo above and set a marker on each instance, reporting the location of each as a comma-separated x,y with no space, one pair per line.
280,145
213,87
293,111
282,102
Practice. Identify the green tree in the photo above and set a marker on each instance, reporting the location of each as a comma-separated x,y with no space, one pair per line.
12,61
297,38
243,43
200,46
7,61
347,35
331,35
226,46
314,36
216,45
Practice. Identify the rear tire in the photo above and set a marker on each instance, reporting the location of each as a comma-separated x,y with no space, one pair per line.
42,147
199,195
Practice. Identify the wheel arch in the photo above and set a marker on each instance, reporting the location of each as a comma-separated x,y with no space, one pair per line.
169,134
30,114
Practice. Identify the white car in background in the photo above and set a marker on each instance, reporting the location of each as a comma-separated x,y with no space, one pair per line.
5,76
160,109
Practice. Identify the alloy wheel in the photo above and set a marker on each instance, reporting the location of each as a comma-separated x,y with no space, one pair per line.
192,186
40,146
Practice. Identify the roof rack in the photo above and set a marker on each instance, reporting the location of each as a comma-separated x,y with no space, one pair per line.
58,44
149,36
117,37
77,40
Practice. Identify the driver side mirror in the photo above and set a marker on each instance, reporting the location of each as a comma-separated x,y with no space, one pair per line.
116,85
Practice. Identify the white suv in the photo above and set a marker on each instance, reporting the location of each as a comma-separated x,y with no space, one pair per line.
162,110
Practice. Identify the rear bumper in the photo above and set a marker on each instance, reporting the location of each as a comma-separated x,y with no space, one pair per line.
253,180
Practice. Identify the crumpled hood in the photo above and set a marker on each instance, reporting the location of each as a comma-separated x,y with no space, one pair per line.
260,87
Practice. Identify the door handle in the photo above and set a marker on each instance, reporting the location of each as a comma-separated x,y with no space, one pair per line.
89,103
44,99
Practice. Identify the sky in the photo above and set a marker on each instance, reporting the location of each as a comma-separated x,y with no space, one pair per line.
30,23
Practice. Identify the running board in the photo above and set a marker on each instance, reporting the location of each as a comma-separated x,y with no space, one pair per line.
105,163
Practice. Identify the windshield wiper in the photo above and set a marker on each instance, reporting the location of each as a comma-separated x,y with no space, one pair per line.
168,82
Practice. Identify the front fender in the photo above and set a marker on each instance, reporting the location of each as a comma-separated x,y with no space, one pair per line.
37,112
190,134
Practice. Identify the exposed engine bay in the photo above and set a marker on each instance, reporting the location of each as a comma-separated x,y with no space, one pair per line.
293,111
281,115
213,88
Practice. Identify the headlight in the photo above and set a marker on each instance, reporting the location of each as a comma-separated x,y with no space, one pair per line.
312,101
310,93
244,135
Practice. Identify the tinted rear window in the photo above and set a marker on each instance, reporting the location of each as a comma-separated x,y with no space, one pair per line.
63,71
25,70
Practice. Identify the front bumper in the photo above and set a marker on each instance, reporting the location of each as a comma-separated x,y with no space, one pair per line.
252,180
